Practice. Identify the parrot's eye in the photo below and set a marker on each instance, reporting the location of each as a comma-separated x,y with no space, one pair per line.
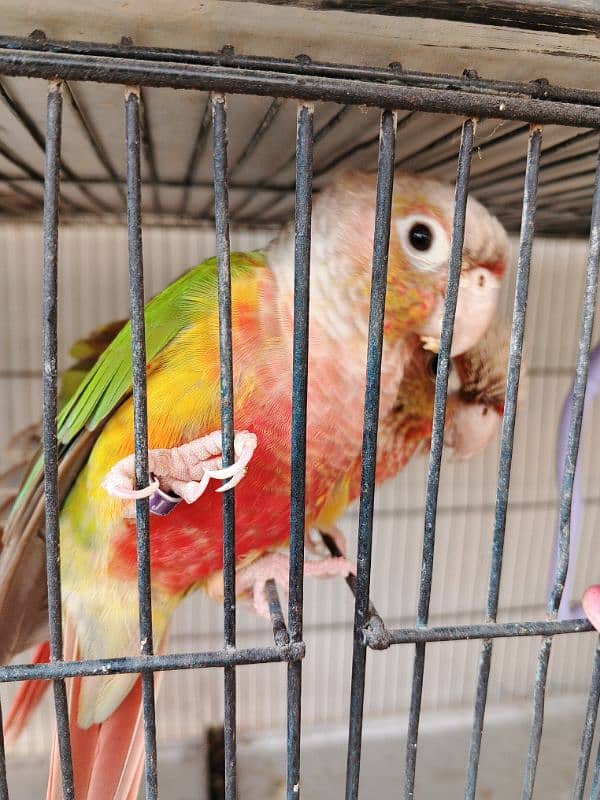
425,241
420,236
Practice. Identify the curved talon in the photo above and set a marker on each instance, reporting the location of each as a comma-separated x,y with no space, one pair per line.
233,482
246,453
185,470
189,491
114,487
223,472
237,470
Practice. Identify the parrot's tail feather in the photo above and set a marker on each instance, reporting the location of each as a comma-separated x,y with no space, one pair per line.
26,699
108,758
119,758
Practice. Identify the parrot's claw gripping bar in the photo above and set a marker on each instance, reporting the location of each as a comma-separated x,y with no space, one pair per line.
376,634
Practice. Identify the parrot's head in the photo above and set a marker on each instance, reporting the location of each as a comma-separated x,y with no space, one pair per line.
343,226
420,240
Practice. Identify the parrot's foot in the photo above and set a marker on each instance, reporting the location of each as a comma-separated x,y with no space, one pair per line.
251,580
184,471
315,544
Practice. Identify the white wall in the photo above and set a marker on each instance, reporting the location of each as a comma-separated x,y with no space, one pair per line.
93,289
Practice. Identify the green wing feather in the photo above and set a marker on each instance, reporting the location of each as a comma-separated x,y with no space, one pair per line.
109,380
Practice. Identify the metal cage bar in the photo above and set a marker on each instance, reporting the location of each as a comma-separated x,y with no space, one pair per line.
140,421
478,99
595,790
32,174
302,230
383,214
579,387
506,444
490,180
221,200
31,127
437,441
95,141
196,154
323,131
482,147
148,150
3,779
128,664
262,128
589,727
302,66
303,80
49,417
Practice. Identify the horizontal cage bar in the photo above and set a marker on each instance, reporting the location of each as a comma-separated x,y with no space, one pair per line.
113,666
466,101
489,630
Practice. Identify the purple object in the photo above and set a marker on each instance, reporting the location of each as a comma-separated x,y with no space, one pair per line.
568,610
162,503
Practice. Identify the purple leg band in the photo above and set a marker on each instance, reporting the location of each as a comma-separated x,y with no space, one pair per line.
162,503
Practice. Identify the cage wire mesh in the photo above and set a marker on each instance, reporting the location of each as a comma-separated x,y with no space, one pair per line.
371,117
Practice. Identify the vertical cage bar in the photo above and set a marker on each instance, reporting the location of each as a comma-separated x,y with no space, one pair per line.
579,387
50,406
506,443
595,790
304,166
383,215
437,440
140,418
589,727
219,117
3,778
262,128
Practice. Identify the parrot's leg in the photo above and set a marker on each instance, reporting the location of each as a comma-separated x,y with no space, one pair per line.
315,544
251,580
185,470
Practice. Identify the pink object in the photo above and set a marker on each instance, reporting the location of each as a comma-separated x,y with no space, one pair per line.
251,580
591,605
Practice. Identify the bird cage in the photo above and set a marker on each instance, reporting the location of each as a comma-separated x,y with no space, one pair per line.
499,98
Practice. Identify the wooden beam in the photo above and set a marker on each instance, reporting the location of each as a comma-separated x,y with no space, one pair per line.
578,17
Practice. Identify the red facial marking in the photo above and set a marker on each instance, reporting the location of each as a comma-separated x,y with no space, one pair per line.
497,268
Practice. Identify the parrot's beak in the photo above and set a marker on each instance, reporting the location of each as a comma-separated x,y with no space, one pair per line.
478,293
431,344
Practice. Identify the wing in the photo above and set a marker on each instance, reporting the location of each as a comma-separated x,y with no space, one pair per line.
91,391
22,551
109,381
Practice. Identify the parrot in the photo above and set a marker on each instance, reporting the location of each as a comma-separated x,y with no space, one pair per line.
473,412
95,433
